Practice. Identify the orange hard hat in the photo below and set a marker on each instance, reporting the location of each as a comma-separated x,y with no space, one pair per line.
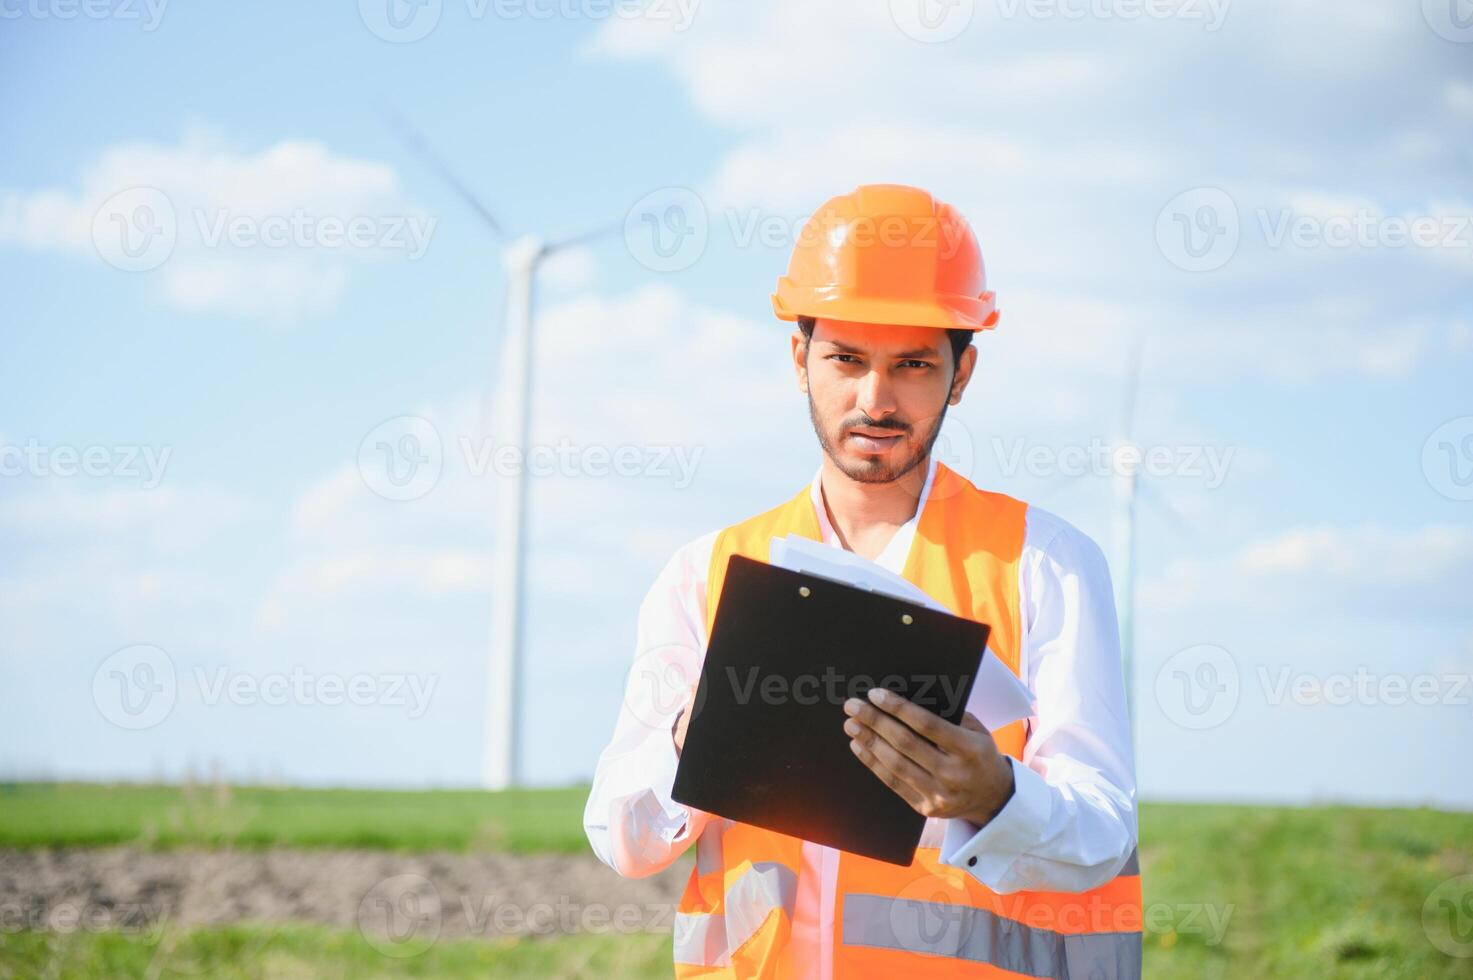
888,253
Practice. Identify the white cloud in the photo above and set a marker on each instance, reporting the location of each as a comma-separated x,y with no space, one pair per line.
1062,139
169,517
1366,570
269,233
1459,98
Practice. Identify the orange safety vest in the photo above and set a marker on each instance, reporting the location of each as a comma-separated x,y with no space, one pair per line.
927,919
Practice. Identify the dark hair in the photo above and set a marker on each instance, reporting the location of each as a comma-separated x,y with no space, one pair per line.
960,339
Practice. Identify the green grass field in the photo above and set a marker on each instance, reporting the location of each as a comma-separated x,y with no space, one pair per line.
1230,891
71,814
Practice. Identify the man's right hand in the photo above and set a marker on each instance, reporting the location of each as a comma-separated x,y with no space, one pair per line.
682,721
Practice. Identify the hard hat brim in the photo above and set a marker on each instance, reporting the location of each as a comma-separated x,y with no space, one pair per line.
946,312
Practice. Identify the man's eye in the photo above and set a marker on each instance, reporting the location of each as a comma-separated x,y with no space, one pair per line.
844,358
919,364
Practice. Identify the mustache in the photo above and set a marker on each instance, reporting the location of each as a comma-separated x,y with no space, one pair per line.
869,423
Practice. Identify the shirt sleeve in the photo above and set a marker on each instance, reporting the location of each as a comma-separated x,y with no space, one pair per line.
631,821
1071,823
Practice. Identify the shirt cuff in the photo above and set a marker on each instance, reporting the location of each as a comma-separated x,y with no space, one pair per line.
673,822
988,853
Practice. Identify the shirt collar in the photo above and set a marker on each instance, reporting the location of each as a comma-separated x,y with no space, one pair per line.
895,553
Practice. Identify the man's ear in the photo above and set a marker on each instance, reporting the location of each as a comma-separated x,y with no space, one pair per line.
963,376
800,359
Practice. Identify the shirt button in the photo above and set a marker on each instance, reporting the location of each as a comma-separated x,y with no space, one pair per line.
971,862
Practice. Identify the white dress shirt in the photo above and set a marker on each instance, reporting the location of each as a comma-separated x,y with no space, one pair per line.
1070,824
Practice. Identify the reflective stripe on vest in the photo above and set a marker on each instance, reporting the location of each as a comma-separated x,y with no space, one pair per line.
982,936
928,919
710,939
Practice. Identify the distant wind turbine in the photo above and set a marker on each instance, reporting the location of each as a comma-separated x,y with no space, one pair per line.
501,763
1128,489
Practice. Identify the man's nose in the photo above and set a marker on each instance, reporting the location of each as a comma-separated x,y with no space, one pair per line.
875,397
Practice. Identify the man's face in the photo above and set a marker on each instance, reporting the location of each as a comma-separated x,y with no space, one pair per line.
878,394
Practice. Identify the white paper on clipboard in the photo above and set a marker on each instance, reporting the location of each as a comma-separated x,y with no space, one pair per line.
998,698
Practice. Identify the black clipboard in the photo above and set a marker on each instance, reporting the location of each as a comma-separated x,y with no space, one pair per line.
766,742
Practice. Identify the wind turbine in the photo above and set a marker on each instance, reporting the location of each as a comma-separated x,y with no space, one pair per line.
521,257
1129,489
1126,484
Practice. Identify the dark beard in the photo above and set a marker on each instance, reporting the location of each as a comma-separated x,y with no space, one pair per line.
876,471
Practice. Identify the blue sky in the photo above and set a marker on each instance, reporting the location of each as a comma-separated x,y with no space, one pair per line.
1314,335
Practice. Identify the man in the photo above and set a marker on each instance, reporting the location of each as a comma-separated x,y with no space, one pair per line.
1027,865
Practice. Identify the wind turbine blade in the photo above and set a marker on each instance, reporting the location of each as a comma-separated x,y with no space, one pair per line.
1132,387
586,236
416,142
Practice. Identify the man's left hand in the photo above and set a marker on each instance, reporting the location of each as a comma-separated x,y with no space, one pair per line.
942,770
